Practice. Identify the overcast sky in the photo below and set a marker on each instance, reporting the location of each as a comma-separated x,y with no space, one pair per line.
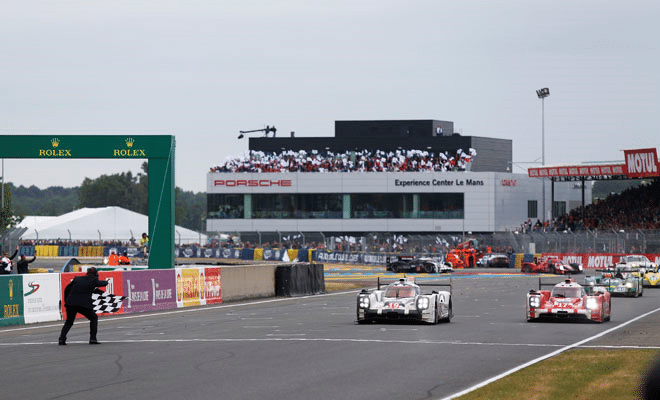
204,70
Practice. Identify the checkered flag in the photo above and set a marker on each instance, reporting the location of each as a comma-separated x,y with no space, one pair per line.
106,302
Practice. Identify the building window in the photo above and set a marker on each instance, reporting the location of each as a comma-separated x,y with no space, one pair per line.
441,205
225,206
558,209
376,205
296,206
532,209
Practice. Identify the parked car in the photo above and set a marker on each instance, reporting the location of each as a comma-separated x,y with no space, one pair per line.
551,265
494,261
399,264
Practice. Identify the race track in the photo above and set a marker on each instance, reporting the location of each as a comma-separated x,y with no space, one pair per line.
302,348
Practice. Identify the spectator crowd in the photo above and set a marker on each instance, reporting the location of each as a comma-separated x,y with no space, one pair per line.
634,208
363,161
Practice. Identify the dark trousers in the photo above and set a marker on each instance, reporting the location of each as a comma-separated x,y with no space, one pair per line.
71,312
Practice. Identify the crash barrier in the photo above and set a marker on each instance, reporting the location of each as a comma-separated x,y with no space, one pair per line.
37,297
299,280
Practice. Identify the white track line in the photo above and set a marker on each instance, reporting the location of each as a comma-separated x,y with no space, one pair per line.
179,311
539,359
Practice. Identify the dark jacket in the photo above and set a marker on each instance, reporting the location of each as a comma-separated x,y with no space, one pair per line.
22,265
79,291
3,265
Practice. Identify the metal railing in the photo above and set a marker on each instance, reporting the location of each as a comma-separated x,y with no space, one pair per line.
586,241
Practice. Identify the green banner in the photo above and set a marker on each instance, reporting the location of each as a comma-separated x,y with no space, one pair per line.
85,146
11,299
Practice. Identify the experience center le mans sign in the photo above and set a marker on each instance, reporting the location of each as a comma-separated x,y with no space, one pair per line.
639,163
158,150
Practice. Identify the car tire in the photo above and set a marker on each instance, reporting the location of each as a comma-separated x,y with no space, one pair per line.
428,268
450,314
395,268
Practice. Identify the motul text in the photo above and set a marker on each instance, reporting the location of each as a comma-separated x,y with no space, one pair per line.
642,162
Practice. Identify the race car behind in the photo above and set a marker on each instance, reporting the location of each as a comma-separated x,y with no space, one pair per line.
568,299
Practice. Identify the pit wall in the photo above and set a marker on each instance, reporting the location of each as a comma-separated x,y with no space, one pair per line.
37,297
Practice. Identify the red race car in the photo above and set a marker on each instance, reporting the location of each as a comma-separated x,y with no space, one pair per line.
568,299
550,265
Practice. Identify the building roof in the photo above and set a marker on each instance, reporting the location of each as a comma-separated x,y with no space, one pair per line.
102,224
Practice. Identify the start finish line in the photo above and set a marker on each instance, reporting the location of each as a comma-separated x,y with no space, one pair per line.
158,150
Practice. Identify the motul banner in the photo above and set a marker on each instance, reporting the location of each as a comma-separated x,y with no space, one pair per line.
597,260
641,163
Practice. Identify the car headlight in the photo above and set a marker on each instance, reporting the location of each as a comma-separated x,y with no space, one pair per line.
364,302
629,284
535,302
422,303
592,303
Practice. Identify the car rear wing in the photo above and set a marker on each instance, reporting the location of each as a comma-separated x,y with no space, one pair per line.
450,284
542,284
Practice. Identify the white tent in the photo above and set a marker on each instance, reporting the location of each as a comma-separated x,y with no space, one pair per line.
98,224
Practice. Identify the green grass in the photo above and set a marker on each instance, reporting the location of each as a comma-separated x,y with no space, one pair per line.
576,374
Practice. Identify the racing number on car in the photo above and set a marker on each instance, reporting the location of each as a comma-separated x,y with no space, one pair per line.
393,305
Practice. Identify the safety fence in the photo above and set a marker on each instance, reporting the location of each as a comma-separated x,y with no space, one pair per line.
588,259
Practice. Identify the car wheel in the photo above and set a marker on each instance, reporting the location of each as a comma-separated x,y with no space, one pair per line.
552,270
395,268
450,315
428,268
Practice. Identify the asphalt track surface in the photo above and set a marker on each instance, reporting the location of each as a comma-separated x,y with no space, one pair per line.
305,348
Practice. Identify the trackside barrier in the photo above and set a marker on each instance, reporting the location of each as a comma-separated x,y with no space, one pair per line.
299,280
36,297
588,260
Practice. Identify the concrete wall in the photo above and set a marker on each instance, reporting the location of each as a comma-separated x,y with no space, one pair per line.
247,281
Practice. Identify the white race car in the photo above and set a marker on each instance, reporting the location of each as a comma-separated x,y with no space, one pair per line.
640,261
403,300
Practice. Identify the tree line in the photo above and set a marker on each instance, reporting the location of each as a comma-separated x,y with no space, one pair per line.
124,190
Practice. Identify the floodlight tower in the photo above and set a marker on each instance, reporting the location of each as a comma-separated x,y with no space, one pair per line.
542,94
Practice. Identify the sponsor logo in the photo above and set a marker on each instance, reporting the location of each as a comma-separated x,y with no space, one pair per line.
599,261
251,182
641,162
129,151
34,287
509,182
54,152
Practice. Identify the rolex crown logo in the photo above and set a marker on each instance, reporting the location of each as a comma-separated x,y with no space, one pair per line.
129,142
55,142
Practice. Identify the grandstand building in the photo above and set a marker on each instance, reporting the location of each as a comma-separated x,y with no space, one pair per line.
484,196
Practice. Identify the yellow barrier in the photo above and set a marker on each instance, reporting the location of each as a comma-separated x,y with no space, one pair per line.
46,250
519,260
91,251
293,254
258,254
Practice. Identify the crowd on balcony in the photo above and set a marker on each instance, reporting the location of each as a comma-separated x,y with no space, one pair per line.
634,208
362,161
